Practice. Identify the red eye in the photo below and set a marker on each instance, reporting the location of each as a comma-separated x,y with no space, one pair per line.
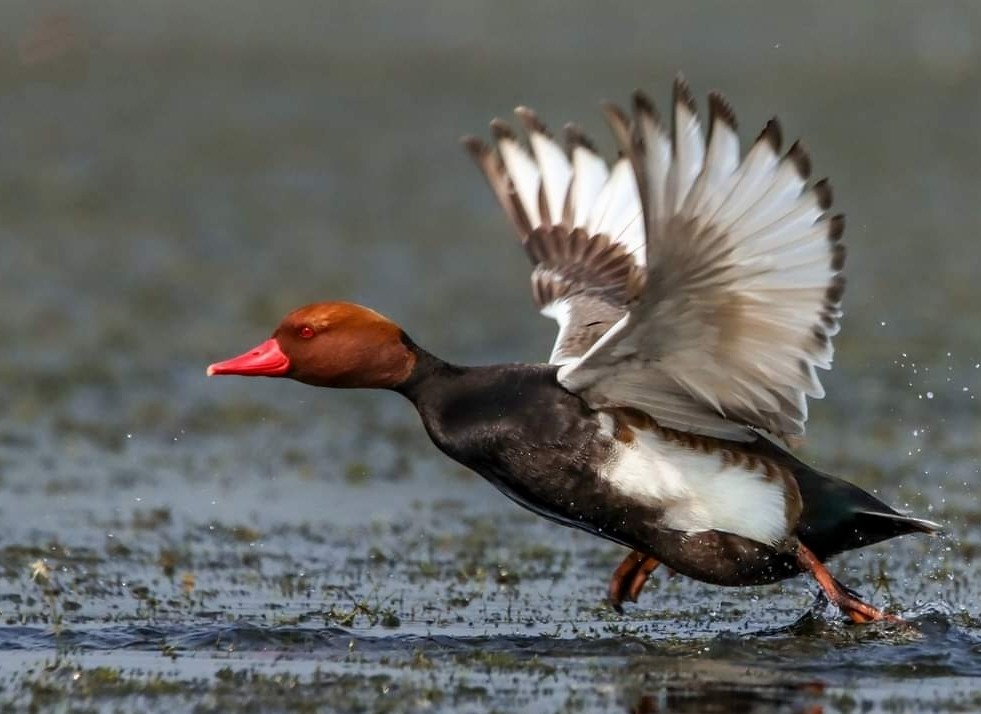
306,332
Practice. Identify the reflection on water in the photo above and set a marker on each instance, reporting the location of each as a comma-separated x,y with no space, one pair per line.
174,179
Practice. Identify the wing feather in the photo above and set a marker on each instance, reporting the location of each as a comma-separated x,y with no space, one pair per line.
554,166
617,212
650,151
743,287
753,178
590,173
689,282
521,168
721,161
689,148
580,221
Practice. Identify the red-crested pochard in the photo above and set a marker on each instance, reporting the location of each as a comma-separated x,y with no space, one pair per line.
696,291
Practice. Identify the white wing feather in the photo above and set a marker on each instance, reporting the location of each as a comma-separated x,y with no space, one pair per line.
698,286
743,287
569,210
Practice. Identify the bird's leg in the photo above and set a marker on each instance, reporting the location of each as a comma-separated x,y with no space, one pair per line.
837,593
629,578
623,575
641,574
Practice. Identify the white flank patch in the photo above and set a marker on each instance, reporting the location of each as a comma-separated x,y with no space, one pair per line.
697,491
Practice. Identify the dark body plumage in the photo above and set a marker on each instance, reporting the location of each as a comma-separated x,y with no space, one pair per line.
543,446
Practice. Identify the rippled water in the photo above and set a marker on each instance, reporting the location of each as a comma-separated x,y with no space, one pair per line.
174,180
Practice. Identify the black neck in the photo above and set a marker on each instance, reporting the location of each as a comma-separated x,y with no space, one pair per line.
428,368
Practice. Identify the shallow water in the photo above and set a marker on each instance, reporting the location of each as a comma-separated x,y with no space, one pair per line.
173,181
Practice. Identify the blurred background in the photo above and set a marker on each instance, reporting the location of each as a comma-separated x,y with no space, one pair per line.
176,175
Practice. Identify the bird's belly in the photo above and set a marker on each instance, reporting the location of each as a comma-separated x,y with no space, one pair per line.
568,494
684,505
722,558
588,502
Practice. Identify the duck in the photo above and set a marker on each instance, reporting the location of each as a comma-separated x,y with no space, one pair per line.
696,292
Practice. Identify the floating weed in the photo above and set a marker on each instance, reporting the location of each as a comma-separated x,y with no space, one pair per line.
147,603
236,534
290,585
63,683
357,473
506,576
169,559
151,520
116,549
497,661
381,612
14,557
538,552
429,569
44,578
376,556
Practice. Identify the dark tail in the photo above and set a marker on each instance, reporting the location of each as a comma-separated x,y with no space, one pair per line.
902,524
840,516
884,524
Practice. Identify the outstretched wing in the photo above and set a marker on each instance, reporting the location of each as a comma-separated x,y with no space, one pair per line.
743,281
580,221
